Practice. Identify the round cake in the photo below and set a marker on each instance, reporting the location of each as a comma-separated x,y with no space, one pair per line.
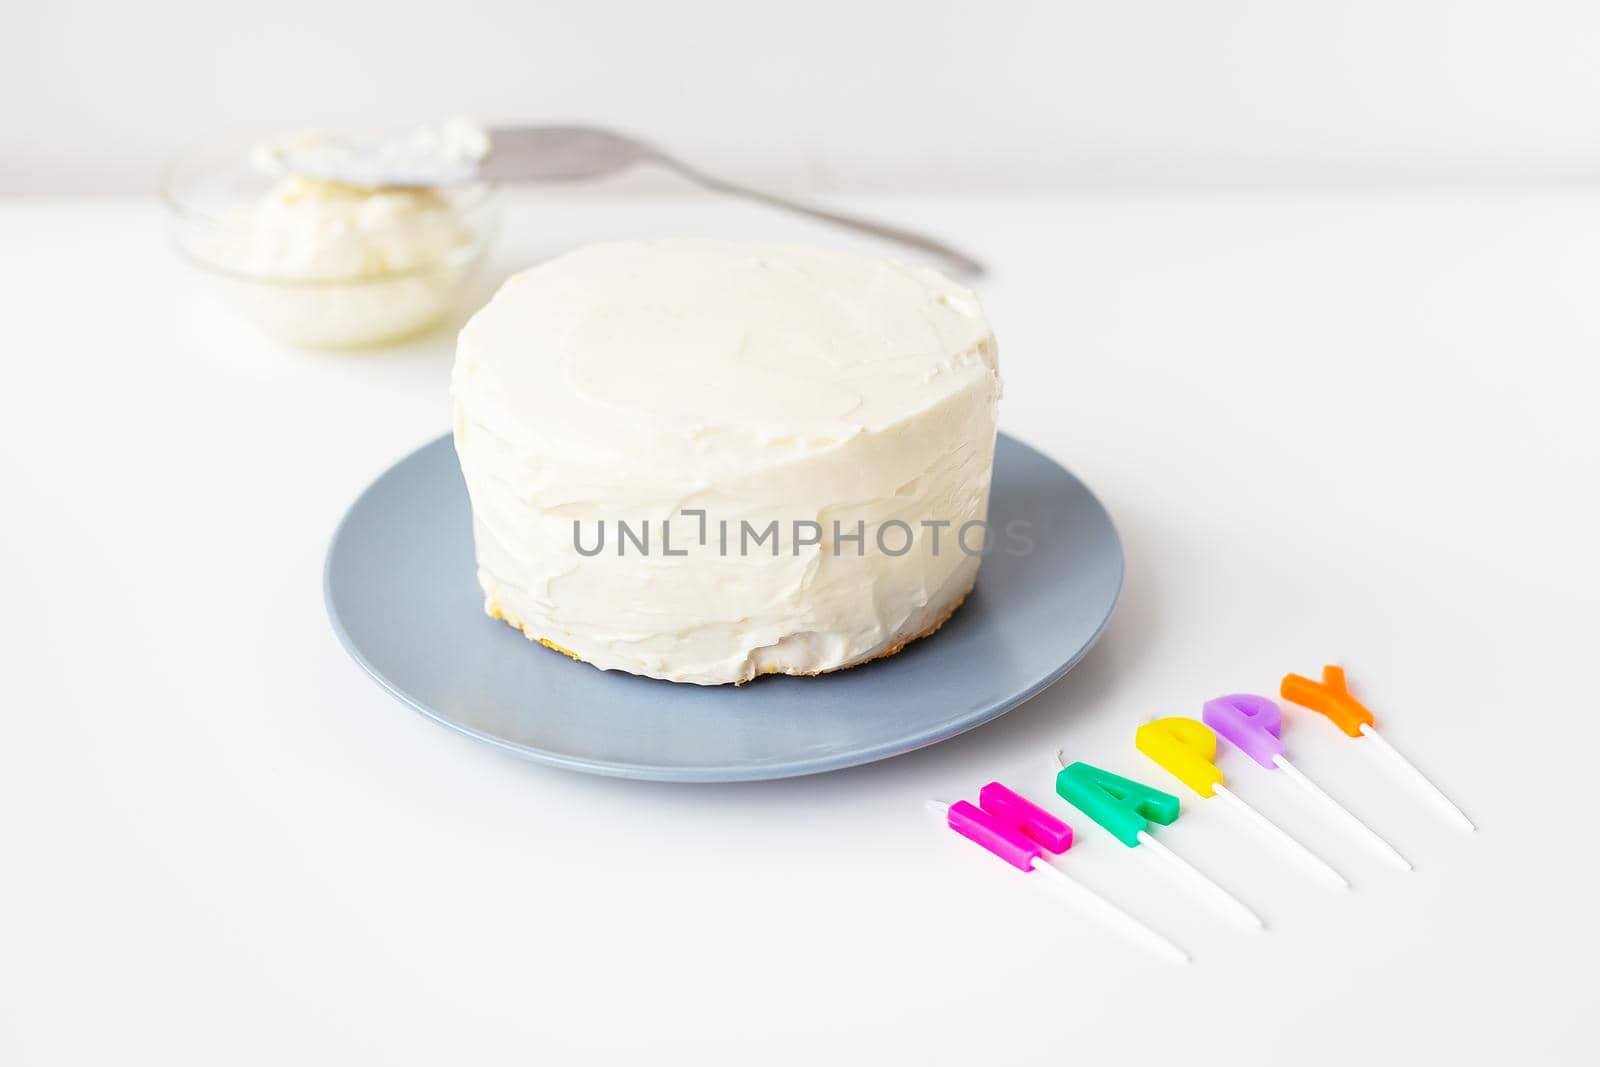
705,461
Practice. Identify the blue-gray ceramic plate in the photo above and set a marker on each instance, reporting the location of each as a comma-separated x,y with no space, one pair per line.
404,600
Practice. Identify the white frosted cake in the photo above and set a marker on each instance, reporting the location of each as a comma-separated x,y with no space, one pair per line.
705,461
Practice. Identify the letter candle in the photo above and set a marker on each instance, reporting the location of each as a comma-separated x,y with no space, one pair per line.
1253,723
1186,748
1019,832
1122,807
1333,699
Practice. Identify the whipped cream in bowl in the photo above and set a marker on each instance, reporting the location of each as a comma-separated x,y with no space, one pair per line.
326,264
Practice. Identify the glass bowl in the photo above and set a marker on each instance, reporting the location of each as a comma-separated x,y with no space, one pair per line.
323,265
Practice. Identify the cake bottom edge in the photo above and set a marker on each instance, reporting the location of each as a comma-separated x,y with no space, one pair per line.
893,646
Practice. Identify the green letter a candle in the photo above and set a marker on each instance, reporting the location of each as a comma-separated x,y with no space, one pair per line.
1122,806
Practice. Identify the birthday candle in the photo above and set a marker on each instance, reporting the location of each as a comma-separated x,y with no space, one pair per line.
1125,809
1253,723
1019,832
1333,699
1186,749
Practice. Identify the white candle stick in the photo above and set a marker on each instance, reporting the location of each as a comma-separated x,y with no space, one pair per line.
1209,888
1345,814
1111,914
1368,731
1278,834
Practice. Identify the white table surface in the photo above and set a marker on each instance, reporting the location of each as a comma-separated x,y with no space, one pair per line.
1355,429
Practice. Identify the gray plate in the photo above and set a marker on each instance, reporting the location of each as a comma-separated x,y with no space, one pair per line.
402,595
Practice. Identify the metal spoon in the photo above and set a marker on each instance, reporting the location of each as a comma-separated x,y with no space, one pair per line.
558,153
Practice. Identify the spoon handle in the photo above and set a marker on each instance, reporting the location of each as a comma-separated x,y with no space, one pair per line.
960,261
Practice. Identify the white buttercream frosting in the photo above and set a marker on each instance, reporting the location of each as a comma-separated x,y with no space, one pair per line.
303,230
336,265
636,381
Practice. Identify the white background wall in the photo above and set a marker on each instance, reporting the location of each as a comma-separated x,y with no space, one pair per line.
831,94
